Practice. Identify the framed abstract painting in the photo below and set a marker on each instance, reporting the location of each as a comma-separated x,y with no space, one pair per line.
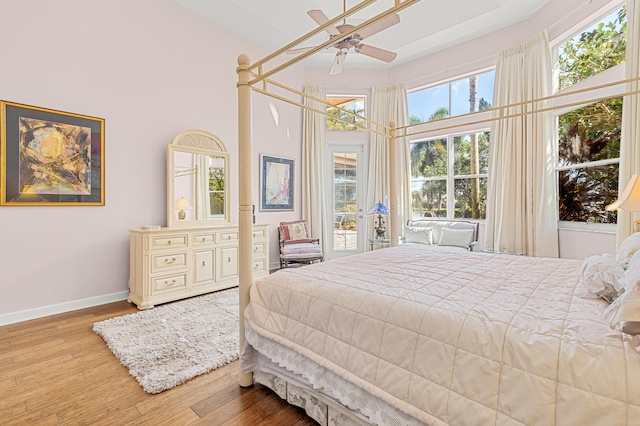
50,157
276,183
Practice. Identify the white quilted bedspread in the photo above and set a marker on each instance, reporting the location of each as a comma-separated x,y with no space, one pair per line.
458,338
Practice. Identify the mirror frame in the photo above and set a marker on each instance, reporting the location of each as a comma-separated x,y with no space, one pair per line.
196,142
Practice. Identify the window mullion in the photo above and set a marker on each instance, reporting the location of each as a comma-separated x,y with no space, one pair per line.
451,202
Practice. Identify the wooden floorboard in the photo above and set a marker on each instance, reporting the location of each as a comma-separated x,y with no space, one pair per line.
57,371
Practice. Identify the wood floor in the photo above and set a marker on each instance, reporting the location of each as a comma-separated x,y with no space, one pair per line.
56,371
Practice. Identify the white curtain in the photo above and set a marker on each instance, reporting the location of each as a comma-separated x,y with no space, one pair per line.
521,197
630,138
388,103
313,185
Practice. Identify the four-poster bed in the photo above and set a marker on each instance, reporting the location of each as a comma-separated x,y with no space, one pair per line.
414,334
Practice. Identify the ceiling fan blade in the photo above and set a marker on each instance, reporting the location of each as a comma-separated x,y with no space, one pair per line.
376,52
378,26
321,19
338,62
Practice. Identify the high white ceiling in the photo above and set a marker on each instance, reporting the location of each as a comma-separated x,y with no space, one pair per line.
425,27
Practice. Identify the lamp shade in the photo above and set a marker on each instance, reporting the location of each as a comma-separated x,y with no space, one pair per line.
379,208
183,204
630,198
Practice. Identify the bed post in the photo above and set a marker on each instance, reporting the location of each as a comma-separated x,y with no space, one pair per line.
393,184
245,198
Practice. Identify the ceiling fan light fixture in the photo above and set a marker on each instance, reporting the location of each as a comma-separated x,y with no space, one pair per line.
352,41
338,62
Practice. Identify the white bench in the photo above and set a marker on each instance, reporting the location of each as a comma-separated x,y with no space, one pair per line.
450,233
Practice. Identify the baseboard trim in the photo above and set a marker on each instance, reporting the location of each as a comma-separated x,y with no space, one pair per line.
60,308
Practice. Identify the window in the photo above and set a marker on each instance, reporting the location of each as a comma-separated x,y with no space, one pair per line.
469,94
216,185
344,120
449,176
597,48
589,137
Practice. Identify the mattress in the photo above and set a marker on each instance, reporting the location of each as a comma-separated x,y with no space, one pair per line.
457,338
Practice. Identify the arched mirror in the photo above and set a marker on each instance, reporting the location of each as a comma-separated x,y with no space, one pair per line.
197,180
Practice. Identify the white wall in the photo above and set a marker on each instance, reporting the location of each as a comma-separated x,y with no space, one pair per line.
150,68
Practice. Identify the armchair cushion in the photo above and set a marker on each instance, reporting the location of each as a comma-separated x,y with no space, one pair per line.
295,232
301,249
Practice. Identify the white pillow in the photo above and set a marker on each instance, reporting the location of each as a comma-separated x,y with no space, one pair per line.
631,275
627,249
418,234
601,276
624,313
455,237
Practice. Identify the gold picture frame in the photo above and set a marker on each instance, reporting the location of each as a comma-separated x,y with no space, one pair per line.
49,157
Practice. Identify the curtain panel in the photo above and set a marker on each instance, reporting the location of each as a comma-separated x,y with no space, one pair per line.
521,200
630,137
313,185
389,103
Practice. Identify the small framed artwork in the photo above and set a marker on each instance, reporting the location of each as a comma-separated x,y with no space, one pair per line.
50,158
276,183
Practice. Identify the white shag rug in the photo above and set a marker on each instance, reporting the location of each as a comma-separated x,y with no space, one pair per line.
168,345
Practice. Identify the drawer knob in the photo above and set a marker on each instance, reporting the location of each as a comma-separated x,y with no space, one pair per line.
203,264
173,259
169,242
203,239
228,259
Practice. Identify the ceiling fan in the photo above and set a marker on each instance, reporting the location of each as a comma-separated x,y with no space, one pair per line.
354,40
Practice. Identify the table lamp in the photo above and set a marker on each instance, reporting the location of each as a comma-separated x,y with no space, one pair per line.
629,200
379,209
181,206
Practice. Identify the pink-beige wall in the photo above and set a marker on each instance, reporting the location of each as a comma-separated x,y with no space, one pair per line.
150,68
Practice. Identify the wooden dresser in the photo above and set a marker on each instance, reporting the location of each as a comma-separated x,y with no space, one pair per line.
168,264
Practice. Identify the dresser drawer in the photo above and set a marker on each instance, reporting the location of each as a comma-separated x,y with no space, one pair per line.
168,261
160,242
259,265
228,236
259,248
259,234
169,283
204,239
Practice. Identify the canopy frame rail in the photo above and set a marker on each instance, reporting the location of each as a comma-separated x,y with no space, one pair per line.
251,74
369,124
257,67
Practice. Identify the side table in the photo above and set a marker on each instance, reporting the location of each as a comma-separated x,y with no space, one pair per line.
378,242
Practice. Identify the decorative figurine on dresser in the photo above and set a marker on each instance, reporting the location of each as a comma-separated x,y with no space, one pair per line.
197,252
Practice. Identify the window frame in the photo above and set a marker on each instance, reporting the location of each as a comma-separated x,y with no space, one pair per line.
357,98
450,177
611,74
449,82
